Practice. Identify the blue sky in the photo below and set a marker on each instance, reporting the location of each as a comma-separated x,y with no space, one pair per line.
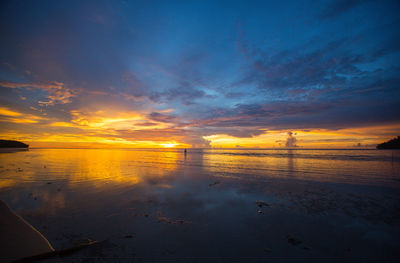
192,69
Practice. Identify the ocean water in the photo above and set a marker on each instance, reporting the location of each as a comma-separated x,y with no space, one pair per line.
161,205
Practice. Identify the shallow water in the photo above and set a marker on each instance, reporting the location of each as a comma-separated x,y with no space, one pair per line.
164,206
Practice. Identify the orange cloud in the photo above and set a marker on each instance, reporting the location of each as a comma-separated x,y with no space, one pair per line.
115,120
57,92
97,129
7,115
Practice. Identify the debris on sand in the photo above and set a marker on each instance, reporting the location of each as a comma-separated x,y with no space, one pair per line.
49,182
293,240
215,183
82,241
128,236
164,220
260,211
267,250
80,244
167,220
261,203
306,248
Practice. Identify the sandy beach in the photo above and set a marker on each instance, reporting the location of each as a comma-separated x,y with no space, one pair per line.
210,205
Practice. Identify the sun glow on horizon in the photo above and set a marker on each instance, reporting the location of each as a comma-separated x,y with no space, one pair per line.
130,129
168,145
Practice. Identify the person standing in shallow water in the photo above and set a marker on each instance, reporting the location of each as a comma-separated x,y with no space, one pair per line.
185,152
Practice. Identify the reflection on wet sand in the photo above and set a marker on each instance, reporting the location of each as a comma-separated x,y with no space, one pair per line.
7,183
99,167
13,150
203,205
290,166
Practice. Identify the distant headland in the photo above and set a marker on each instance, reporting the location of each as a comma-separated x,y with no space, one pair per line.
392,144
12,144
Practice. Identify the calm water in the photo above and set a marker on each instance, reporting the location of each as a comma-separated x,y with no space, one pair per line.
164,206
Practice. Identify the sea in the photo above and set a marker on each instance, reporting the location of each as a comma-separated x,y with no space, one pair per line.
210,205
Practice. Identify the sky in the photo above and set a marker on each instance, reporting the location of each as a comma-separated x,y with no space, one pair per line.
310,74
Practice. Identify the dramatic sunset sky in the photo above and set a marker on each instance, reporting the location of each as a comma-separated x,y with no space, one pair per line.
200,73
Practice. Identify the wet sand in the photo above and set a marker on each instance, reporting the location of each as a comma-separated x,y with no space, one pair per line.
18,239
163,207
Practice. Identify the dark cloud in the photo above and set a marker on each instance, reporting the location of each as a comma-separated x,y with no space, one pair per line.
347,111
338,7
76,52
324,67
156,116
260,115
320,85
389,47
185,93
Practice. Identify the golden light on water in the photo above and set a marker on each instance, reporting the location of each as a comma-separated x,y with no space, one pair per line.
7,183
101,168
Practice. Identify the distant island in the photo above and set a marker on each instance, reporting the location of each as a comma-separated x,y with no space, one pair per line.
12,144
392,144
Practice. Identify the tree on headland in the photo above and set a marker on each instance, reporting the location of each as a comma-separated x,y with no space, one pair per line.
392,144
12,144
